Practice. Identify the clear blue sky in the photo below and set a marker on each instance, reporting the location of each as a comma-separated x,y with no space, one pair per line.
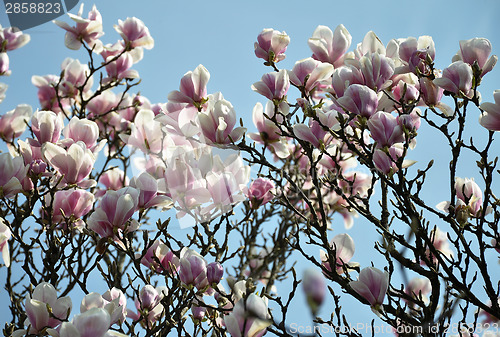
220,35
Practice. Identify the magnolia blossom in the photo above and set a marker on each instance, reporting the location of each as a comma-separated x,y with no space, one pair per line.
83,130
249,318
134,33
419,288
14,122
313,284
4,65
12,38
386,159
384,129
457,78
271,45
477,50
47,126
193,88
73,164
441,244
49,99
359,100
490,118
193,269
415,54
269,133
377,71
43,299
372,284
146,134
5,235
147,186
76,78
86,30
113,301
215,271
160,258
13,177
92,323
217,124
111,217
343,247
469,199
310,73
273,86
149,306
328,46
72,205
120,68
260,192
344,77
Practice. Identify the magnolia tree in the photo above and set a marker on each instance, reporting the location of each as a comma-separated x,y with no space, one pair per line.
84,177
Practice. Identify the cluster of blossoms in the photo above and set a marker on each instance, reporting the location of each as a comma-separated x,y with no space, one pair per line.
360,108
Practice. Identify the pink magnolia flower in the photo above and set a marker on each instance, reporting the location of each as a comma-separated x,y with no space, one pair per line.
134,33
328,46
411,121
260,192
440,242
477,50
343,247
111,217
193,269
147,186
469,199
47,126
273,86
359,100
91,323
71,204
13,177
419,288
405,92
490,117
372,284
113,301
193,88
215,271
47,94
457,78
74,164
14,122
4,65
75,78
112,179
146,134
43,299
384,129
160,258
377,71
249,318
385,161
415,55
314,286
149,305
83,130
12,38
344,77
120,68
5,235
217,124
271,45
269,133
310,73
86,30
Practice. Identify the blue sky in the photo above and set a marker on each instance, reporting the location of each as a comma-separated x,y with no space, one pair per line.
220,35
